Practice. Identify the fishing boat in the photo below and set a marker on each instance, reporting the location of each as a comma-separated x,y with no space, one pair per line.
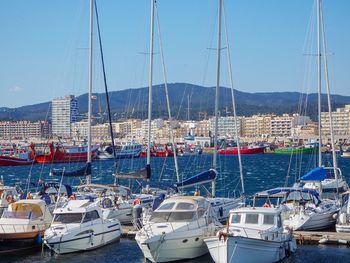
23,224
81,225
253,149
16,156
252,235
295,150
128,150
59,153
176,229
343,219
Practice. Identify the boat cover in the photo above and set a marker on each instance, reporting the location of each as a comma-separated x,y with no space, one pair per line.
317,174
201,178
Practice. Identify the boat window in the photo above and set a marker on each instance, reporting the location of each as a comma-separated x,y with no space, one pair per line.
167,206
251,218
162,217
185,206
18,215
235,219
68,218
269,220
90,216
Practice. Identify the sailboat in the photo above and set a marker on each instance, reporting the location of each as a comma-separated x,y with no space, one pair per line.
81,225
327,180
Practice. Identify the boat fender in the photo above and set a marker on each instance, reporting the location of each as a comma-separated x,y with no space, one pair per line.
221,211
222,235
136,202
39,239
107,203
9,199
28,196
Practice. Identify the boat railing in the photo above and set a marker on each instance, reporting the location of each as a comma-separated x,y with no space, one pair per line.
20,228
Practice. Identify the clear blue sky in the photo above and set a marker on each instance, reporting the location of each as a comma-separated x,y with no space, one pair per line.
43,45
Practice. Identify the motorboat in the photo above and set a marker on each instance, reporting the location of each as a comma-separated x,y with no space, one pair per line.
13,156
81,225
343,219
302,209
177,228
128,150
252,235
23,224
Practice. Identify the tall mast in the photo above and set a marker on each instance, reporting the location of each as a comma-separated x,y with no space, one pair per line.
335,165
167,97
234,107
319,82
150,76
217,93
88,177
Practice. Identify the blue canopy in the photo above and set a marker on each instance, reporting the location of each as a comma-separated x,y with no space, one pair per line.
317,174
201,178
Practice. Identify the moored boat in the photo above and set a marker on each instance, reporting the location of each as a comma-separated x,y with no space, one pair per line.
253,234
23,224
243,150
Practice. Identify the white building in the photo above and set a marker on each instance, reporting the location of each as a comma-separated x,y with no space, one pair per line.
226,126
341,122
64,113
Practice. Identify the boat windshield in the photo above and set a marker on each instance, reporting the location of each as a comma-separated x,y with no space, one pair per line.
162,217
17,215
68,218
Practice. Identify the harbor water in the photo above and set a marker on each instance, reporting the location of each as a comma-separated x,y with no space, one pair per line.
260,172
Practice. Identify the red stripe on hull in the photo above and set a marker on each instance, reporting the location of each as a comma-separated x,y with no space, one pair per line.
12,161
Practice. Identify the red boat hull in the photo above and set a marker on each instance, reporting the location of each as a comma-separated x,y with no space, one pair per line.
12,161
244,150
59,155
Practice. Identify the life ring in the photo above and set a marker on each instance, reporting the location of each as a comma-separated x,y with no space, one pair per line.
107,203
266,205
72,197
28,196
9,199
136,202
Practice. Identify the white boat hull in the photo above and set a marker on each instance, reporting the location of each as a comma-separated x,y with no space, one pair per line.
73,241
173,247
316,221
248,250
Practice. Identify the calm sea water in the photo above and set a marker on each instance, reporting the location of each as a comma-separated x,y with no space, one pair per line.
261,172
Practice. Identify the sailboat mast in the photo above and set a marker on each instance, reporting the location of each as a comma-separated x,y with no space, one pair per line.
217,94
319,82
234,106
150,79
88,176
167,96
335,165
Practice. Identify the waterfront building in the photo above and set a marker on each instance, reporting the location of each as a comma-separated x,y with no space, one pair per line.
24,129
281,126
341,122
226,126
257,126
64,114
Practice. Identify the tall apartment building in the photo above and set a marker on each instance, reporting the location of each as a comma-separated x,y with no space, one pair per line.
257,126
341,122
64,113
24,129
226,126
281,126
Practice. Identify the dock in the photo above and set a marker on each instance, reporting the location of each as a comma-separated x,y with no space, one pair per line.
309,237
128,231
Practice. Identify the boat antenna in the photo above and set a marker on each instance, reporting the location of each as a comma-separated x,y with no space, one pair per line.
213,190
167,95
335,165
88,176
233,103
106,91
150,79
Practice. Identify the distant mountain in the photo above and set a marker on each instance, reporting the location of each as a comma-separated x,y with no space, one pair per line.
133,103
